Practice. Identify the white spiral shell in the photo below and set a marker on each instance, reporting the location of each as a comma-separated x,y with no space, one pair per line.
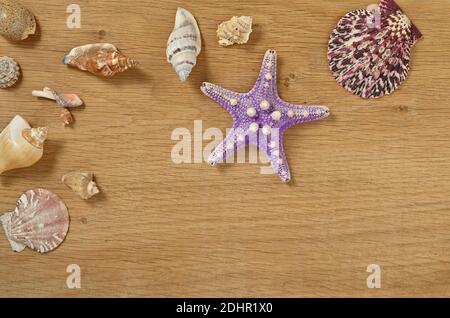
184,44
40,222
9,72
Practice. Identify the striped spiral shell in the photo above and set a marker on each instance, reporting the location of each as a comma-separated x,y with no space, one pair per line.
369,50
184,44
9,72
40,222
99,59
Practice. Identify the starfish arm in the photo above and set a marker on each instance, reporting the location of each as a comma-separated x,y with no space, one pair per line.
226,98
267,79
272,147
295,114
233,142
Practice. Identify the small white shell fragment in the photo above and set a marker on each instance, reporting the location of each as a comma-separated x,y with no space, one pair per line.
81,183
63,100
235,31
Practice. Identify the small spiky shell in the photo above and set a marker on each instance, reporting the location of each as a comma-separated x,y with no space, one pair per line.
184,44
369,51
235,31
16,21
36,136
99,59
40,222
81,183
9,72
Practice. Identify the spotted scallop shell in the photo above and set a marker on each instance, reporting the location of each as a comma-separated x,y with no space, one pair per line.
9,72
184,44
40,222
369,51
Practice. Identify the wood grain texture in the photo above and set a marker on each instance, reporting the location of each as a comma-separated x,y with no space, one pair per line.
371,184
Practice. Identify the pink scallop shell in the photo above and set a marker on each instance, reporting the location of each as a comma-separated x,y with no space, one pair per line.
40,221
369,59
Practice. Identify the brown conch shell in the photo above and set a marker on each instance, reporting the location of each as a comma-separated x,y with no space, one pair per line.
99,59
9,72
63,100
16,21
235,31
20,145
81,183
40,222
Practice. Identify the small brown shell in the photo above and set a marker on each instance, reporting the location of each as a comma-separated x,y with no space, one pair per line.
40,222
9,72
99,59
16,21
81,183
66,117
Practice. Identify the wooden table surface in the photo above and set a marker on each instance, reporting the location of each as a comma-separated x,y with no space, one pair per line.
371,182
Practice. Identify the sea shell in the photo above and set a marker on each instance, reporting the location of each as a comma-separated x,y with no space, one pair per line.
20,145
235,31
184,44
40,222
82,183
9,72
369,51
99,59
66,117
63,100
16,21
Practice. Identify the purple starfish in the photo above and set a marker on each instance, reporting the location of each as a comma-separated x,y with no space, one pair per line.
260,117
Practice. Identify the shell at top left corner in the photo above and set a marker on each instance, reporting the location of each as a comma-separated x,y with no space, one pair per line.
16,21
